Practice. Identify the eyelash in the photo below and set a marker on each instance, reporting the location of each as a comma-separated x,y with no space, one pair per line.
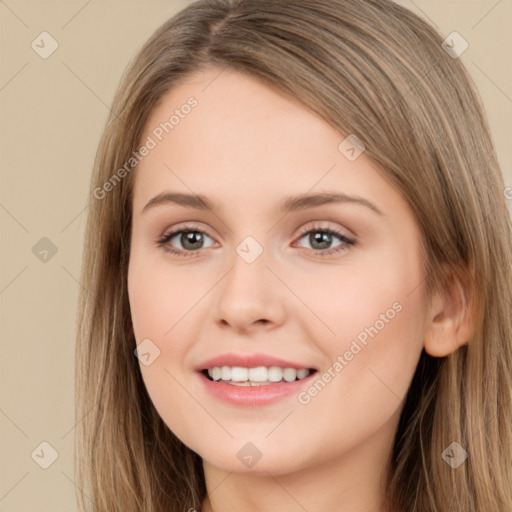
164,240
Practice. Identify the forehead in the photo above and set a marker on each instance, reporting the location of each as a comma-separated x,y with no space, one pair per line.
243,139
236,114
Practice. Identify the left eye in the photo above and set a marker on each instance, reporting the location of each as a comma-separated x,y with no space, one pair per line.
321,239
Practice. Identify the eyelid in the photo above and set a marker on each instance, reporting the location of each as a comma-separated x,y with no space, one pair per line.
186,226
320,226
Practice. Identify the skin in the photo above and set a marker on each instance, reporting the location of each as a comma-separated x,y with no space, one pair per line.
247,147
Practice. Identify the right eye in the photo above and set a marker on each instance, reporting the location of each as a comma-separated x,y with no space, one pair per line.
190,238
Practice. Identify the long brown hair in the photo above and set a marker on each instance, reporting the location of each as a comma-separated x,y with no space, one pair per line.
370,68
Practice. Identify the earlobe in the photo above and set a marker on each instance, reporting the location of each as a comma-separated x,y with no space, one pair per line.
451,320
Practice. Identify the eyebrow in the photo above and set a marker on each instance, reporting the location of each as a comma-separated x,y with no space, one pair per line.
290,204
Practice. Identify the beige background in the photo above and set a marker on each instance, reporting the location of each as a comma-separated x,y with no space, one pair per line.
51,115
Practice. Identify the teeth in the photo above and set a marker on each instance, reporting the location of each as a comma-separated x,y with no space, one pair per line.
303,372
289,374
275,374
260,375
225,373
215,373
239,374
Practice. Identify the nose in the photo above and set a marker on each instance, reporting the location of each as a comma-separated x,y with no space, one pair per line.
250,296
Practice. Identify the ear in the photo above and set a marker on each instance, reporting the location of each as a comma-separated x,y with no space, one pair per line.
451,318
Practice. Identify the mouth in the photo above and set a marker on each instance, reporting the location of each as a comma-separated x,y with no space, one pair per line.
256,376
255,379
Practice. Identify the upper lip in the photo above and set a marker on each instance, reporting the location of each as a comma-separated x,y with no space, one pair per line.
249,361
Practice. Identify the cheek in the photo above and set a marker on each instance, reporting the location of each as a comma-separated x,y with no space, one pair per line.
381,298
363,387
378,317
162,301
159,295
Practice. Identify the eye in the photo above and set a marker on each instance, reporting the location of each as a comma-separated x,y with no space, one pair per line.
321,238
189,238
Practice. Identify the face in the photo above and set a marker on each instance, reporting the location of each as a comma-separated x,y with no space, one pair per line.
325,295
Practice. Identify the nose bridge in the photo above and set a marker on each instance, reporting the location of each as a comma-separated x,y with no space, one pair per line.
248,293
248,269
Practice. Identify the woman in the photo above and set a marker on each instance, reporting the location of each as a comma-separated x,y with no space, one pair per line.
221,363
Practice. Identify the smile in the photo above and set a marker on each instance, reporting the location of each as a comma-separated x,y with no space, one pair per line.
256,376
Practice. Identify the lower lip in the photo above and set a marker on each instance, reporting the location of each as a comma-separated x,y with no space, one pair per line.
254,395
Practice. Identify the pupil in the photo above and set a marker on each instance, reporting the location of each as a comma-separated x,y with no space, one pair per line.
191,238
324,239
